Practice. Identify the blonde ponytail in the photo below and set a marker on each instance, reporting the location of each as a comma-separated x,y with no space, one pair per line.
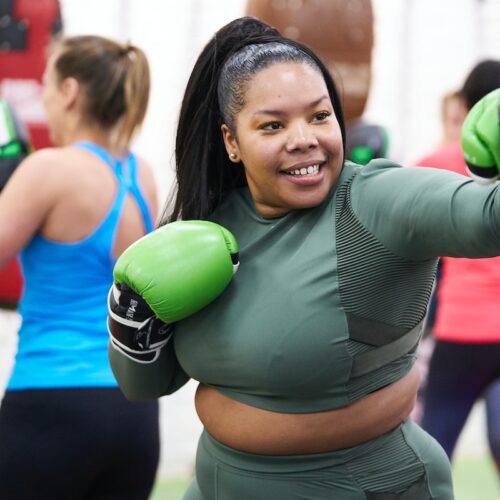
137,81
115,79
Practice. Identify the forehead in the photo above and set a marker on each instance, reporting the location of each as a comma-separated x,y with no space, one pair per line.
284,82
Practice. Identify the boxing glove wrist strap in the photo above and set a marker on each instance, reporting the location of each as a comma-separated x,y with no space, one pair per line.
134,329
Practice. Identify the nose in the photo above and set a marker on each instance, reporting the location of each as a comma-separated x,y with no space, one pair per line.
300,138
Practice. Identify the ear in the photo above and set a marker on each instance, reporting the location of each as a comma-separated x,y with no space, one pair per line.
231,144
70,88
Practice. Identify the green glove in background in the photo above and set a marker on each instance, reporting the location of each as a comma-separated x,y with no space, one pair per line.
14,142
481,139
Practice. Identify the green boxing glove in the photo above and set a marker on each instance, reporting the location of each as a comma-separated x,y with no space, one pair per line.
179,268
481,139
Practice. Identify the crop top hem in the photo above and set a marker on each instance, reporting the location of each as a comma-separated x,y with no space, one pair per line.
276,405
303,406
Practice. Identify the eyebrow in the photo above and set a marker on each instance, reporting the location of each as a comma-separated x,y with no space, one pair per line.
281,113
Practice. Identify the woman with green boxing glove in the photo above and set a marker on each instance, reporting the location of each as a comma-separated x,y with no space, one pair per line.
305,357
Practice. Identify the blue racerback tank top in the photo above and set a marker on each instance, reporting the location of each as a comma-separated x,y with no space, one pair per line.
63,336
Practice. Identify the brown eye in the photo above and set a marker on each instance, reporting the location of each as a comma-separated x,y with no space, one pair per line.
272,126
322,115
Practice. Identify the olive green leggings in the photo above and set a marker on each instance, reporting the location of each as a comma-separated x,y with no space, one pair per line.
404,464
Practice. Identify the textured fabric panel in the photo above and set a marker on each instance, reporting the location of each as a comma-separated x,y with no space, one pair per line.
360,386
389,469
372,332
403,464
355,347
417,491
365,265
379,357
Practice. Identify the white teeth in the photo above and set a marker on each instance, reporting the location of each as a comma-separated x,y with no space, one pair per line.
310,170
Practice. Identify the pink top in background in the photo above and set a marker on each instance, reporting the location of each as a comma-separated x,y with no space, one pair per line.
469,289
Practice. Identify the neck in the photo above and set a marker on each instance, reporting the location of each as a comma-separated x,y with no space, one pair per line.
99,136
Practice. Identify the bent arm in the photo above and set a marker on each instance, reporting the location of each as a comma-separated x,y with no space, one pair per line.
147,381
420,213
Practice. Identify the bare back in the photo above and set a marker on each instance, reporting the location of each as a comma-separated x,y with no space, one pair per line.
66,194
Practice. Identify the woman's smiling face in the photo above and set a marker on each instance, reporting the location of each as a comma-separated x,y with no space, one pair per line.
287,138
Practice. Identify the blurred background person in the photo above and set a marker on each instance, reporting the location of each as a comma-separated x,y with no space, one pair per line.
453,113
66,431
465,320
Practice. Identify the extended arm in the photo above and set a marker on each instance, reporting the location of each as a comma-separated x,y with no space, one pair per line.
420,213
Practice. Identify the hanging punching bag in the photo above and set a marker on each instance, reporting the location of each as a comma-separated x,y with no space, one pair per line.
26,30
340,32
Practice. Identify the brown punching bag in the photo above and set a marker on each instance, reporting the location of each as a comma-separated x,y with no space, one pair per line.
340,32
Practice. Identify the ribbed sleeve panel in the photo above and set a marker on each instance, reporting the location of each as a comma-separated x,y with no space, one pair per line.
374,283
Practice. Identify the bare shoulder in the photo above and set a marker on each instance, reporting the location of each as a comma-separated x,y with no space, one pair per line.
49,155
26,200
60,165
43,161
37,181
36,168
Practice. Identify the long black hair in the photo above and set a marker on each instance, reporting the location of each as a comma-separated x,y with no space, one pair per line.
204,173
482,79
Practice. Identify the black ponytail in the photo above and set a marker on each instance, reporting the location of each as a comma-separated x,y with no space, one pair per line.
204,173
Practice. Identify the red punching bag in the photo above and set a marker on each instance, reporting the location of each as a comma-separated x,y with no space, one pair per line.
25,34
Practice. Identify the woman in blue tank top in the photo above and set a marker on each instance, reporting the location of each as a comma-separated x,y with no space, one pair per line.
66,431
